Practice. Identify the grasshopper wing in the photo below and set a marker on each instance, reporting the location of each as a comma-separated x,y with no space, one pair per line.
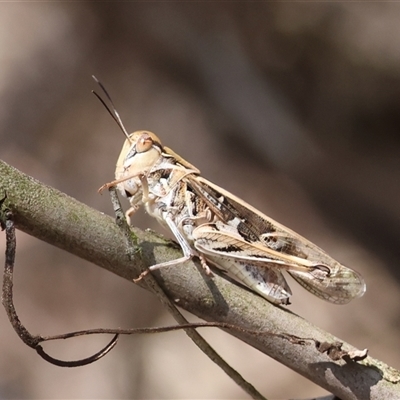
242,233
339,288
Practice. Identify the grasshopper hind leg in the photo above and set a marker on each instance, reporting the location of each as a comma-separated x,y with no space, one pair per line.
266,281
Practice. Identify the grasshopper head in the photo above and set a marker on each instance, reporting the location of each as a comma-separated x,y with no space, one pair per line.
141,151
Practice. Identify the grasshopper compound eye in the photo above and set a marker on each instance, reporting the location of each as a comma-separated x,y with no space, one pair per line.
144,143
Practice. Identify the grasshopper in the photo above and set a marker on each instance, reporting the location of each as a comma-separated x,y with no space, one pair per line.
221,229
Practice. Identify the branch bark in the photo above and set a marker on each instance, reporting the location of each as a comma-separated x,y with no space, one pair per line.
62,221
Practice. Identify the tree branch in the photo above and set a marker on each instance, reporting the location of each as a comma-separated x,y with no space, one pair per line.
62,221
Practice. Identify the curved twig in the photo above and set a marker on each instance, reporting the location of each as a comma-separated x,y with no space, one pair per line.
8,302
81,362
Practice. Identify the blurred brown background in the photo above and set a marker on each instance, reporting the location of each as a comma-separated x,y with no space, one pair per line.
293,107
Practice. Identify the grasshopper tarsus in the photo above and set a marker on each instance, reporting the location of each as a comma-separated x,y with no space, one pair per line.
141,276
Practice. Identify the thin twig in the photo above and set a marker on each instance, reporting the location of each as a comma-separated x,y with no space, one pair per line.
199,341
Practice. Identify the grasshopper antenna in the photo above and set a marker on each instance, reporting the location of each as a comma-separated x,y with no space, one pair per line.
112,111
